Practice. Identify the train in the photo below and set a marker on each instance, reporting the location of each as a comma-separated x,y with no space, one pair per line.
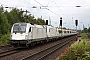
28,34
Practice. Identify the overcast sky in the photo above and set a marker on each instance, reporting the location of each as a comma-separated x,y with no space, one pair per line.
54,9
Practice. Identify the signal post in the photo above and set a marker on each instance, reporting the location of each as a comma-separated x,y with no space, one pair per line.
61,25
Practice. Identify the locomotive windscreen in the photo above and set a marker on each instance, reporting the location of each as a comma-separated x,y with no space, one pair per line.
19,28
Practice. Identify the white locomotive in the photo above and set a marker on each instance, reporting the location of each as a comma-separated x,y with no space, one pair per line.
25,34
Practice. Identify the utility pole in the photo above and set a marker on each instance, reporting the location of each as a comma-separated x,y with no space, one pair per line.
49,20
26,12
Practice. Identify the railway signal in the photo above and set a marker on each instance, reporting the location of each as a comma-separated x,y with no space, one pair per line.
61,24
76,22
60,21
46,22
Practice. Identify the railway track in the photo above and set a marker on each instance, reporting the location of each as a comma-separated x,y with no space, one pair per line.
8,52
56,53
35,52
4,47
40,55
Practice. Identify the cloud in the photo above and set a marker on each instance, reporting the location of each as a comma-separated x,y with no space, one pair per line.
57,8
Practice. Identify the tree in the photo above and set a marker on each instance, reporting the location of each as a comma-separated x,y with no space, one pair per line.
89,30
7,19
4,25
40,21
85,30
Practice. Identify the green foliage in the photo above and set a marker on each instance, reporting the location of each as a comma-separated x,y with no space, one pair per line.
5,39
89,30
7,19
69,56
82,50
86,30
4,25
40,21
84,36
79,51
83,45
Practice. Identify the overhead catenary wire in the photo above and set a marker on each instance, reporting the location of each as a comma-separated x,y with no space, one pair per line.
59,8
25,1
47,8
17,5
3,4
56,4
48,2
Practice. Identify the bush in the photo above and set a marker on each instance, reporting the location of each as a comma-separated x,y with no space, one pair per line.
84,36
5,39
79,51
82,45
67,55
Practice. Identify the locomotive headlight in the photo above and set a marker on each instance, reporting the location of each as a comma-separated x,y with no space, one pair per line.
26,36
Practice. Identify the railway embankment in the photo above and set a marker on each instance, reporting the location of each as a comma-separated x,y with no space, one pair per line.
80,50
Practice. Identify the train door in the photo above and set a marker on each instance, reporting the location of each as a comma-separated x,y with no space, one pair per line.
30,33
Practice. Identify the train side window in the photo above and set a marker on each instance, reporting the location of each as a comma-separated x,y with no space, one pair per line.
64,31
59,31
70,31
30,29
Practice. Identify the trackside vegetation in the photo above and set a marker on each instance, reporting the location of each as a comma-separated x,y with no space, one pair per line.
78,51
8,18
5,39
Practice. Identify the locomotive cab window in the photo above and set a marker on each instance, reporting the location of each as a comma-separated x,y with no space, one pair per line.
19,28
